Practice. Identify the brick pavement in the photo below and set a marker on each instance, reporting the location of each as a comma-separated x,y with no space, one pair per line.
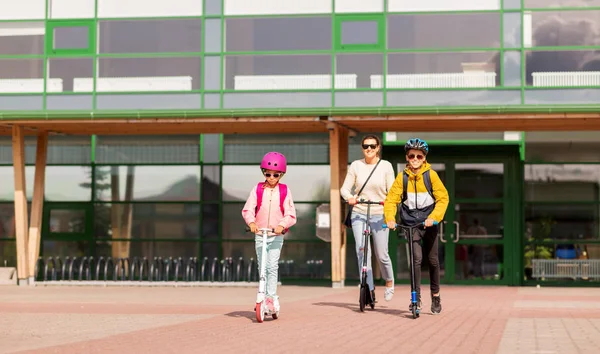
313,320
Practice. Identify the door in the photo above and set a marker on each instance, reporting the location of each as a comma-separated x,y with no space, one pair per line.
67,230
477,237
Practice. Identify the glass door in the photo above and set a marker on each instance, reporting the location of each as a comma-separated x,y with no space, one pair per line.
472,234
480,227
67,230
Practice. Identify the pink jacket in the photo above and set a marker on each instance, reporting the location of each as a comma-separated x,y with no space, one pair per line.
269,214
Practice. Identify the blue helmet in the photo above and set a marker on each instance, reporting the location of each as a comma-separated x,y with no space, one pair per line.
416,144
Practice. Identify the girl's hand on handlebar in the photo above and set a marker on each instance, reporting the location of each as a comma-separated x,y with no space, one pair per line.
352,201
279,230
253,228
429,222
391,225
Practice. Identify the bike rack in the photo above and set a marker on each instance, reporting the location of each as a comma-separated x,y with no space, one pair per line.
165,269
204,270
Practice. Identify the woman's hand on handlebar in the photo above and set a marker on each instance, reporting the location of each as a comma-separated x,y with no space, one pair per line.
253,228
352,200
391,225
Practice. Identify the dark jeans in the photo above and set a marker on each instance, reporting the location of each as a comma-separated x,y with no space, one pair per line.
429,236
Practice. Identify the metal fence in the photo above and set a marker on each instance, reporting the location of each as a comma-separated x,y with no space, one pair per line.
566,269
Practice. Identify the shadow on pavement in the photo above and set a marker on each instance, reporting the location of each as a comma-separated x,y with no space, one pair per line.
354,307
251,315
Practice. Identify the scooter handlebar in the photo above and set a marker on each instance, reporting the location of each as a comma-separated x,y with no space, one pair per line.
434,223
367,202
267,230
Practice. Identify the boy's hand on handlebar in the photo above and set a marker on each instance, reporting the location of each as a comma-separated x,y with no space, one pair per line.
429,222
279,230
391,225
253,228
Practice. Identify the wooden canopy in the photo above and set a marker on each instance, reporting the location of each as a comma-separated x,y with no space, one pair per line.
308,124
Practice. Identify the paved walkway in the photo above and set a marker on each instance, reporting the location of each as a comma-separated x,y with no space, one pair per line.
313,320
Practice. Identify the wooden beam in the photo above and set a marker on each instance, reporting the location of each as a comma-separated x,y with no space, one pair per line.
37,204
18,144
338,159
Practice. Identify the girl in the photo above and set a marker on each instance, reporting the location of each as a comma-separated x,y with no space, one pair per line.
270,205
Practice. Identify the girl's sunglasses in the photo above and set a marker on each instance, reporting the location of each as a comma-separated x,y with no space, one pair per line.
372,146
276,175
419,157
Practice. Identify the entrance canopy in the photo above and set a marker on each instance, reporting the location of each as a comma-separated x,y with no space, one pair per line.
305,124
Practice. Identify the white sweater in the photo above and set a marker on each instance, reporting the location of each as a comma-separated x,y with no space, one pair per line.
376,189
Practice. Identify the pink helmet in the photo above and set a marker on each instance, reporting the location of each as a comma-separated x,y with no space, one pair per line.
274,161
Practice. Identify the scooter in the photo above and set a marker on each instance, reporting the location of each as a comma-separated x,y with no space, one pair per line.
413,292
261,307
365,297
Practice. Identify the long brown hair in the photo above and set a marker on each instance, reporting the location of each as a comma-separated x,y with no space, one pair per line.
376,138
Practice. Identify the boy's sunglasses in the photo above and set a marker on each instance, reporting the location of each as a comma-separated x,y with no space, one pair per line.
372,146
276,175
419,157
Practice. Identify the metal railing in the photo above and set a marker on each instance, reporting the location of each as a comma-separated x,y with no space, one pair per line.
565,269
566,78
167,269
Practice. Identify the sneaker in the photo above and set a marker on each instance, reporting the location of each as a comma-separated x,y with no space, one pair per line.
419,304
436,304
270,304
276,303
388,294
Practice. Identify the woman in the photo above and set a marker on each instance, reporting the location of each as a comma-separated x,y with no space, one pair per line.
375,189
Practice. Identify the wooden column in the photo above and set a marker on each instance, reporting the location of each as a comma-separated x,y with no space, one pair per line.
18,144
37,204
338,161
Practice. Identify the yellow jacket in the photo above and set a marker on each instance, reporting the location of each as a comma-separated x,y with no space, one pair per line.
417,199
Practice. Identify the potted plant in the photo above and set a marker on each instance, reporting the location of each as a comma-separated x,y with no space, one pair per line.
534,250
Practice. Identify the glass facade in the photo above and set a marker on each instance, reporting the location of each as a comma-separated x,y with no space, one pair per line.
181,196
221,55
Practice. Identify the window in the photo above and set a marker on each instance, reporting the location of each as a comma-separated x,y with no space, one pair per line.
359,32
70,37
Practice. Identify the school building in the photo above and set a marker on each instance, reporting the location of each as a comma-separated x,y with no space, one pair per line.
132,132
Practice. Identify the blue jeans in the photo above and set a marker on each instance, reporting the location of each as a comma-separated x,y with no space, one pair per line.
274,245
379,242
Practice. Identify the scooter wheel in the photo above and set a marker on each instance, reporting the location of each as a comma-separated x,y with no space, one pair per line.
363,299
415,312
260,314
276,315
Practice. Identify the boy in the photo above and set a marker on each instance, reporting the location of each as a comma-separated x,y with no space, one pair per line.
424,201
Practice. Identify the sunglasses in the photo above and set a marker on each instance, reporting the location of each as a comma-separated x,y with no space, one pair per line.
419,157
276,175
372,146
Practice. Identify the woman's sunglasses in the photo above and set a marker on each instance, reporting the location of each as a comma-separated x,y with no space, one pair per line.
419,157
372,146
276,175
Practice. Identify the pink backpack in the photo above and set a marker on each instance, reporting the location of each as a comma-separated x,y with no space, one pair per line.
259,196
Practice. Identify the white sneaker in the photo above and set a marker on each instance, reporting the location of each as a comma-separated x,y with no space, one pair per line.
388,294
276,303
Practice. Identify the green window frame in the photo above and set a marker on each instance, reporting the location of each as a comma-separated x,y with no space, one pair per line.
91,45
340,20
